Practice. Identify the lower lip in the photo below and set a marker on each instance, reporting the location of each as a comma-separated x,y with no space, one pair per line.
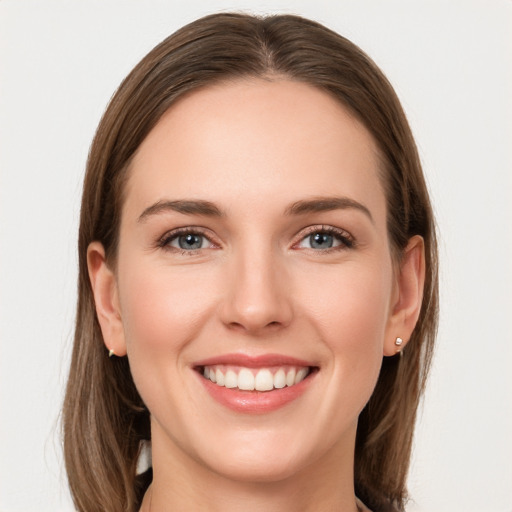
256,402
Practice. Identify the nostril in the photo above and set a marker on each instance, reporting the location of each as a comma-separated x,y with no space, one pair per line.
255,327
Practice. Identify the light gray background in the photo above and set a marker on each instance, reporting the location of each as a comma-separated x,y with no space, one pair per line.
450,63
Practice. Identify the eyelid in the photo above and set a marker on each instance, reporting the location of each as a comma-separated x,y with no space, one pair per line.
347,240
164,241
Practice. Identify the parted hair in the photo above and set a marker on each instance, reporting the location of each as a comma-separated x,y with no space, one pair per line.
104,419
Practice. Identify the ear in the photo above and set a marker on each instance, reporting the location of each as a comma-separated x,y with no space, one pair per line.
408,296
106,298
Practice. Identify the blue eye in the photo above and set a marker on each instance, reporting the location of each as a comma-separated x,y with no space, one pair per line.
188,242
321,241
325,239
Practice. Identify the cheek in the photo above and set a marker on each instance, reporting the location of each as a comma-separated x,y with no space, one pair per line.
350,312
161,309
346,308
352,304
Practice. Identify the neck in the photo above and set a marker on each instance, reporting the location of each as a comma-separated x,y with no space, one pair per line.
182,483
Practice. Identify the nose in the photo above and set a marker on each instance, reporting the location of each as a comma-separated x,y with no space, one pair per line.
257,295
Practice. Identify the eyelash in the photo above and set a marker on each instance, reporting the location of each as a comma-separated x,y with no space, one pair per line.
164,241
346,239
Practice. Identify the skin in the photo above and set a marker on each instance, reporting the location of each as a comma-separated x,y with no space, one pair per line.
253,148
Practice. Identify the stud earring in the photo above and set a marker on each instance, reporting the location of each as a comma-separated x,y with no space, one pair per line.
398,341
111,352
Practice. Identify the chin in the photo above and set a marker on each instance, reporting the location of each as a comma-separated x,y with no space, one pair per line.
260,457
258,469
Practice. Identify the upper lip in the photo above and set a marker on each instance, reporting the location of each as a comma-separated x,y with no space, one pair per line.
251,361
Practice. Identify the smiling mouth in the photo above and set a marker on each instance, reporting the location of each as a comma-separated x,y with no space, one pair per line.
241,378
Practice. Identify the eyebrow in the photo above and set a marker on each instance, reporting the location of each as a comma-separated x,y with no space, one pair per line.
324,204
187,207
207,208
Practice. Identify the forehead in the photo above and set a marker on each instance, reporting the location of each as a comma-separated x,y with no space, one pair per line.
256,140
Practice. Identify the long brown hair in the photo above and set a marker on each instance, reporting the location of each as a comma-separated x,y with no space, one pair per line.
104,418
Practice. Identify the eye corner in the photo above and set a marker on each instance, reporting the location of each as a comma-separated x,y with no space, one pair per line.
198,240
336,239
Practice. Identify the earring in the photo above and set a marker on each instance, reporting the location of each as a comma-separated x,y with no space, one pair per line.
111,352
398,343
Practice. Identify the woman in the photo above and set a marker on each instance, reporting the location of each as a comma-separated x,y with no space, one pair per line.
258,257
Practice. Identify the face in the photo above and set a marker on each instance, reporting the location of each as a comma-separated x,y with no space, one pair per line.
254,252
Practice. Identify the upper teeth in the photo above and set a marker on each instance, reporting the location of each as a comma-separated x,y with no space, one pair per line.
248,379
